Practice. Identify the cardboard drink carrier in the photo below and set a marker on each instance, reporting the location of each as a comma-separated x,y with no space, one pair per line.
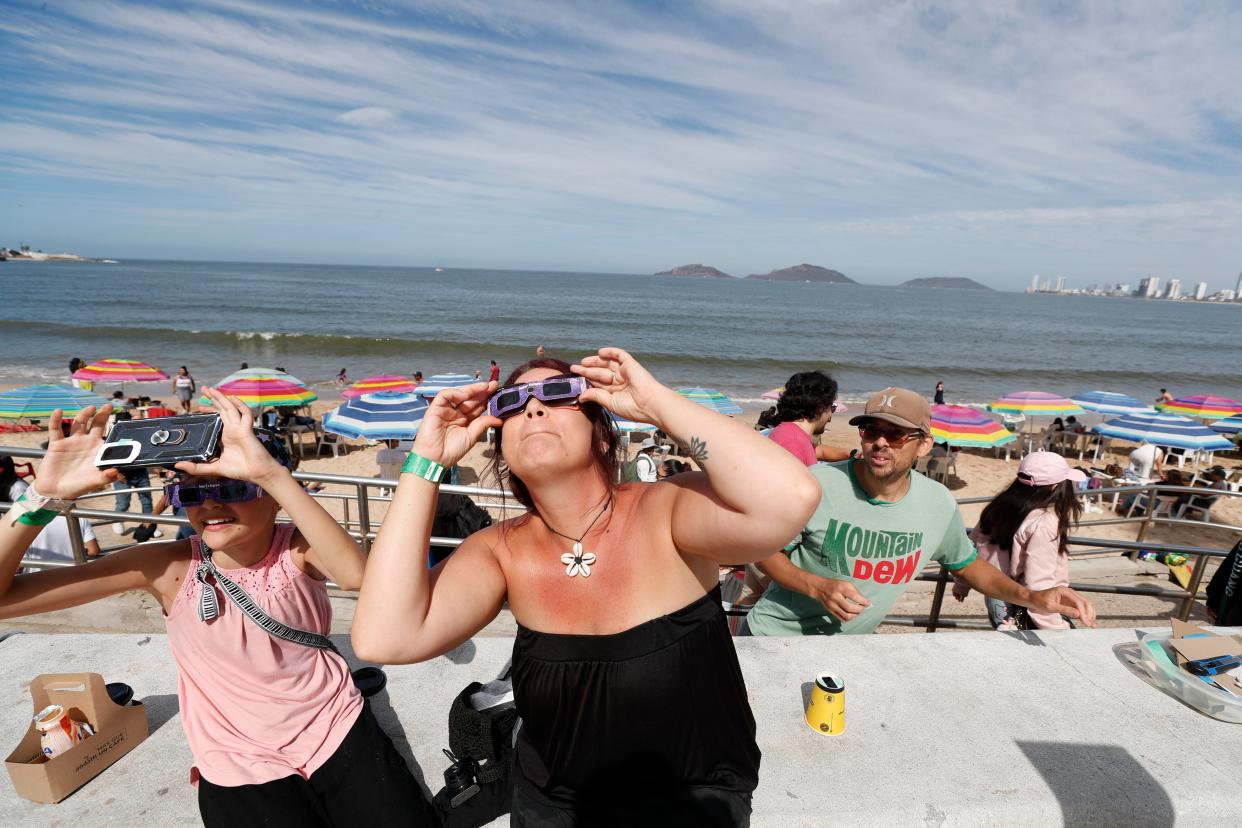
118,730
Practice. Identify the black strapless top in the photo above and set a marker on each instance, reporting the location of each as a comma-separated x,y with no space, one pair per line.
657,714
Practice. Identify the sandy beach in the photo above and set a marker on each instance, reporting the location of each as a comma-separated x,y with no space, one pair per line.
979,474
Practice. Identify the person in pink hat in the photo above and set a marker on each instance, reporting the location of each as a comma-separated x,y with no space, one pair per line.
1023,532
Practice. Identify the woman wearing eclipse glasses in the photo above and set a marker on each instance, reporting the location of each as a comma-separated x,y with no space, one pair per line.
279,732
631,697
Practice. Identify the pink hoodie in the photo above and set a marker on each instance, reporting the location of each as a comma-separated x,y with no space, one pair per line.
1035,560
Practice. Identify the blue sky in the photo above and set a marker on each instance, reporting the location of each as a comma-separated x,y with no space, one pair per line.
1099,141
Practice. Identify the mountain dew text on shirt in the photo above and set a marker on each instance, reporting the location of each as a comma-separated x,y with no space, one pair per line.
877,555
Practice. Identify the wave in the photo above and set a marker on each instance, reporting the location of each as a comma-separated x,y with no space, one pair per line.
739,370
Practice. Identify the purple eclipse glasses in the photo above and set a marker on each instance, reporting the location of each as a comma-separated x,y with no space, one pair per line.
552,391
225,490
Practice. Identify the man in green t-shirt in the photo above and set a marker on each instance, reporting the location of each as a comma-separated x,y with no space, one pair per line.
877,524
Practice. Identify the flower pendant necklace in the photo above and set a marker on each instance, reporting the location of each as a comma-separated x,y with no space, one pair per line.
578,561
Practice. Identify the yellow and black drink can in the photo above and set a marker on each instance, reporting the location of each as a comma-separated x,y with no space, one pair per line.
826,712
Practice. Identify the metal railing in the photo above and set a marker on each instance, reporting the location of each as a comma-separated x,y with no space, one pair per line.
363,529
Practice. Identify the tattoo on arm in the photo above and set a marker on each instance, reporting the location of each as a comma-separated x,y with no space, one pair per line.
698,450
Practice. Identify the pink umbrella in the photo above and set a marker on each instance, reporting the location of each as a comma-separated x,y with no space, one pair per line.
383,383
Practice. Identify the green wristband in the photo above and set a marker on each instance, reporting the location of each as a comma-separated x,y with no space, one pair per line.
418,465
39,517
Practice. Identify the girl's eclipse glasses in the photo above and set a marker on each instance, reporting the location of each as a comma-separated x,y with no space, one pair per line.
552,391
181,495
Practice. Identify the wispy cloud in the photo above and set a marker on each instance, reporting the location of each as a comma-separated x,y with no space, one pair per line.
883,139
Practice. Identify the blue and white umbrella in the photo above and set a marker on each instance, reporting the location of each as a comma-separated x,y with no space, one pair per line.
380,416
1107,402
1170,430
438,382
39,401
1229,425
711,398
624,425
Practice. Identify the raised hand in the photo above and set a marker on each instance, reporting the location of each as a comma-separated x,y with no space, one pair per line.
620,384
242,456
1067,602
68,469
455,421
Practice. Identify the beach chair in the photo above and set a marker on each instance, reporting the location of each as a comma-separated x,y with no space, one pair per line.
1234,480
331,442
1180,455
1198,505
1164,505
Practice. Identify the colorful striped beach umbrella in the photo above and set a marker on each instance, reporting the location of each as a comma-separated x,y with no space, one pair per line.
259,391
119,370
1107,402
386,415
1229,425
1205,407
711,398
1034,404
261,373
1171,430
961,425
438,382
624,425
39,401
393,383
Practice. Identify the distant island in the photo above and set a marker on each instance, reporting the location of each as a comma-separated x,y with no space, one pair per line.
23,253
695,271
804,273
952,282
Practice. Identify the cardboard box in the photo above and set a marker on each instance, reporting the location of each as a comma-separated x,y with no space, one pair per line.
118,730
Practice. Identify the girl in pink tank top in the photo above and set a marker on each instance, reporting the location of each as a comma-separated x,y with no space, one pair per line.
279,733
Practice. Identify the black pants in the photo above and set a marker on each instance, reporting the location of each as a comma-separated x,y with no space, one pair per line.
366,782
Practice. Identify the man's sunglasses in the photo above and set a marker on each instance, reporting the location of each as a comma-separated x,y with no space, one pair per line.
552,391
181,495
895,437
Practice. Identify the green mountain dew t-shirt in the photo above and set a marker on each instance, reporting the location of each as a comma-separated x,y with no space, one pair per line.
878,545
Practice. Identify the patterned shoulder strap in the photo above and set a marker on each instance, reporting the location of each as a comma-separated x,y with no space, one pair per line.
209,608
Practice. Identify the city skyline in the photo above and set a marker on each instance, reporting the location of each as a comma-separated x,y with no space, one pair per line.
990,141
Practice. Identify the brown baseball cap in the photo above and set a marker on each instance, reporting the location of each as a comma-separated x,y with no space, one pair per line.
899,406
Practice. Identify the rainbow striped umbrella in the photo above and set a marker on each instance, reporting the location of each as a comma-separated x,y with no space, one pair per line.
1229,425
1202,407
259,387
1108,402
119,370
711,398
381,384
385,415
1163,430
961,425
1035,404
39,401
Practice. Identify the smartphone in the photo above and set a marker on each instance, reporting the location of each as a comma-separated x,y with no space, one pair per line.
161,441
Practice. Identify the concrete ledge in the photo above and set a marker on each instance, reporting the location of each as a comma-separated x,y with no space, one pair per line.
942,730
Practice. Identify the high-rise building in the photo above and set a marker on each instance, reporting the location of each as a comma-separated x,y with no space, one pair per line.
1149,287
1237,293
1200,291
1174,290
1035,283
1060,284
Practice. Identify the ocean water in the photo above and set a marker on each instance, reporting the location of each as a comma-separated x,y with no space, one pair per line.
742,337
